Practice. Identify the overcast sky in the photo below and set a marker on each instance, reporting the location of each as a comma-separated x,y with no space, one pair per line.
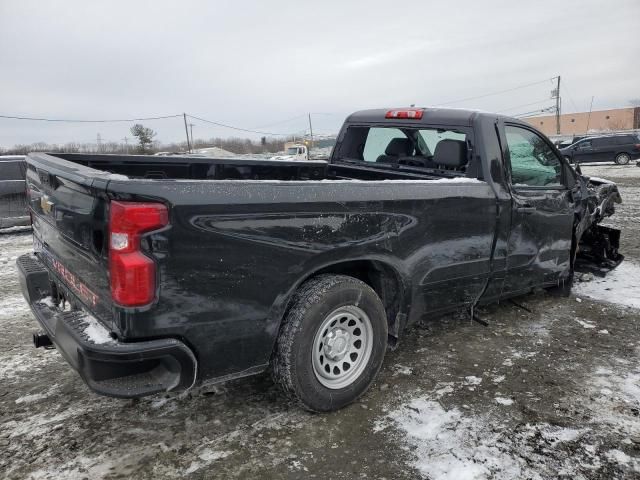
259,64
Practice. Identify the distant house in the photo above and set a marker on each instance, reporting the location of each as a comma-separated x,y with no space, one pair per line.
585,122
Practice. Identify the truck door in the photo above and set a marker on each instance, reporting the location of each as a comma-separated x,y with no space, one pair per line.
539,245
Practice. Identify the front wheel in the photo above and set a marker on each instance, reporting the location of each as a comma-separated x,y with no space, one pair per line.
623,159
332,342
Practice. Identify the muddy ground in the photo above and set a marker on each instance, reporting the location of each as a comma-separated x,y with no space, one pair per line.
550,391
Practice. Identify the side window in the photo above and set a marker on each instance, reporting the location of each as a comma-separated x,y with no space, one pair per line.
533,163
586,145
378,139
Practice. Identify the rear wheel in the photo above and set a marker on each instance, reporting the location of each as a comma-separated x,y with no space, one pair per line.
623,158
332,342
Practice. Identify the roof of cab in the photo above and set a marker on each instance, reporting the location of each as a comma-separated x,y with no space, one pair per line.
431,115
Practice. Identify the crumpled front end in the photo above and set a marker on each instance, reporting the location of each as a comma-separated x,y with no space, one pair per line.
597,246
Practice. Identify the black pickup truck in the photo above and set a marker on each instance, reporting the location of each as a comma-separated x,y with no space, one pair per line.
155,274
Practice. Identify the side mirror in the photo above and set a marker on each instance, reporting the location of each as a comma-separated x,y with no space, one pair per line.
576,167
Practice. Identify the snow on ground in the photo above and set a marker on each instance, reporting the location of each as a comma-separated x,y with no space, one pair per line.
23,363
457,444
621,286
615,390
608,171
17,229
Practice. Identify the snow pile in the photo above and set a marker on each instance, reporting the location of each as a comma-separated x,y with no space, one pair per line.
402,370
117,176
95,331
450,446
206,457
48,301
472,380
616,393
585,324
455,445
620,286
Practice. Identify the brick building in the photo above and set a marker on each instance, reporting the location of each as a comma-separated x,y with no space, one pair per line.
581,123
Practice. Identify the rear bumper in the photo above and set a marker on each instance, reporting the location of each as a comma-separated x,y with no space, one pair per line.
108,366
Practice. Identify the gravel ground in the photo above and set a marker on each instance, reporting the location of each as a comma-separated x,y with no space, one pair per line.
551,390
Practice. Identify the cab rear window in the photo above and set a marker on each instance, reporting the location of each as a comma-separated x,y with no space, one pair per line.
443,148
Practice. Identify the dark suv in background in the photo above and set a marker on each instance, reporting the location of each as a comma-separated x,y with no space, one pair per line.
13,202
618,148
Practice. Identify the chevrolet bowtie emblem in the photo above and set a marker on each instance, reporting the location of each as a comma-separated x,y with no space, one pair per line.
45,204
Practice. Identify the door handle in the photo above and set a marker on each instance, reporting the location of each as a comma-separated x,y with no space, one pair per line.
526,209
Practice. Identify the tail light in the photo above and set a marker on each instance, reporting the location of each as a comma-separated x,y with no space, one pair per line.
133,274
410,113
637,145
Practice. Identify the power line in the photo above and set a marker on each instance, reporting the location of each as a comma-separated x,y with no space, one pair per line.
224,125
495,93
524,105
533,113
304,115
237,128
66,120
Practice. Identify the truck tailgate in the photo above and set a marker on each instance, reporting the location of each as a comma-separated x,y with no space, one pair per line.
69,206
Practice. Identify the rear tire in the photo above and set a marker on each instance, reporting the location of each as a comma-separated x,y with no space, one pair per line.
331,344
623,159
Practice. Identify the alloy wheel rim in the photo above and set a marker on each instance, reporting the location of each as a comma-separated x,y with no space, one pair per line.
342,347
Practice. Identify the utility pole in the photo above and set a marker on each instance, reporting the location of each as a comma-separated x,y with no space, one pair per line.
126,145
311,133
186,130
191,128
589,117
558,105
99,142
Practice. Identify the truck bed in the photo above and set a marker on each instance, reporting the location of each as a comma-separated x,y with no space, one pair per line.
199,168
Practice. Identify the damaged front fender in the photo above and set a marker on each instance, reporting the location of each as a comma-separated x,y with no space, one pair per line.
596,246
